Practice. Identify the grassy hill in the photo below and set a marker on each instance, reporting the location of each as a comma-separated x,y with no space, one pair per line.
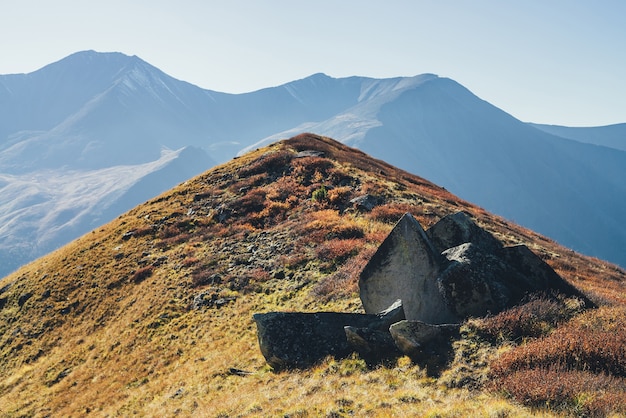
151,315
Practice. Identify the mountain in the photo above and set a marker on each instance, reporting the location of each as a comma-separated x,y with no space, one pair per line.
612,136
151,313
568,190
109,111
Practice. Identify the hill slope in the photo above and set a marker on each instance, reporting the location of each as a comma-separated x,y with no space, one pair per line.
151,313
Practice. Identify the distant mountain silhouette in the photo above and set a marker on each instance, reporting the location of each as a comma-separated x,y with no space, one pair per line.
104,116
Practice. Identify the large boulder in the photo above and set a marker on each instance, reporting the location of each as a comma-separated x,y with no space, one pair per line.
453,271
297,340
405,266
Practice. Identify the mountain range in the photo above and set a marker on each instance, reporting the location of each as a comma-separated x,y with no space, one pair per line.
94,134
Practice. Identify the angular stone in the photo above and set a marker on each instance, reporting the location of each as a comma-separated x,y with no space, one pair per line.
365,203
534,273
458,228
426,344
389,316
373,345
405,266
471,283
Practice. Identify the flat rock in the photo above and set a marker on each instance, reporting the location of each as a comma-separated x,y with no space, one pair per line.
298,340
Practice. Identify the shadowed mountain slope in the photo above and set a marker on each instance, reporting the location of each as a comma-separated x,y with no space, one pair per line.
151,314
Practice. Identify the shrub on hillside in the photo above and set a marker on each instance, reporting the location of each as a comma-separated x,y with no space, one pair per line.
142,274
536,318
392,212
579,368
574,392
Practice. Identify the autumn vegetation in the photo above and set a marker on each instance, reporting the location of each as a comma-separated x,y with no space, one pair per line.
151,314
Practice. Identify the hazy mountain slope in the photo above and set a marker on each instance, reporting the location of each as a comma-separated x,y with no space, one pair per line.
612,136
570,191
43,210
126,319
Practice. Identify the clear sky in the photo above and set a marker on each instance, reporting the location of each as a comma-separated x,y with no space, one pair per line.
546,61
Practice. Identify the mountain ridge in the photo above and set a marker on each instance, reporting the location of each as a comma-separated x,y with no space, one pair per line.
125,111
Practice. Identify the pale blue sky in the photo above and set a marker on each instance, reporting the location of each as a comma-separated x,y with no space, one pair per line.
546,61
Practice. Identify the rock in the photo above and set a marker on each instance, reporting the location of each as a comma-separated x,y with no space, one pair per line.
454,271
391,315
422,284
309,153
458,228
365,203
426,344
210,299
405,266
298,340
472,284
535,273
373,345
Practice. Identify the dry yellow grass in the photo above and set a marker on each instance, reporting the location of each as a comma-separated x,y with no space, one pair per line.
106,326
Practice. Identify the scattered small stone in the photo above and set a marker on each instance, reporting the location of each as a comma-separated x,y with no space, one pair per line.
23,298
128,235
365,203
309,153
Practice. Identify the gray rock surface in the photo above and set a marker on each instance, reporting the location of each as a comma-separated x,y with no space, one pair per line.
458,228
373,345
405,266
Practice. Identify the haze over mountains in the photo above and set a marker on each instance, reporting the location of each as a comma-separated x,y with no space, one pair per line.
86,138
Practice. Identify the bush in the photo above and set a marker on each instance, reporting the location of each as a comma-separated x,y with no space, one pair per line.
319,195
536,318
271,163
579,368
593,342
142,274
575,392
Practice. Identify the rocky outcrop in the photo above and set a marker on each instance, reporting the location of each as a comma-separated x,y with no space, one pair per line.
416,290
453,271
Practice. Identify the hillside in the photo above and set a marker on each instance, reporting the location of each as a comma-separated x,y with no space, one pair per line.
151,314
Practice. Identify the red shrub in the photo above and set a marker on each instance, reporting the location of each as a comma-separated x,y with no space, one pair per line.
338,250
142,274
392,212
575,392
535,318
